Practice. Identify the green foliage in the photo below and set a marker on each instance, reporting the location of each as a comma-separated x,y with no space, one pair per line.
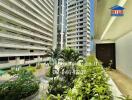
50,72
53,97
54,54
28,68
23,86
92,84
12,72
69,55
63,82
67,73
56,86
39,66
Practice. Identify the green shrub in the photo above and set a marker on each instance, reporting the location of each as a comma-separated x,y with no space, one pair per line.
25,85
92,84
56,87
28,68
12,72
31,69
53,97
39,66
50,72
67,73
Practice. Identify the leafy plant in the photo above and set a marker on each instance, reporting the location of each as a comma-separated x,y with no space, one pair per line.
25,85
12,72
67,73
50,72
30,69
67,54
56,86
53,97
92,84
54,54
39,66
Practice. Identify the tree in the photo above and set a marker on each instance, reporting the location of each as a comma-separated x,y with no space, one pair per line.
54,54
76,57
66,54
70,55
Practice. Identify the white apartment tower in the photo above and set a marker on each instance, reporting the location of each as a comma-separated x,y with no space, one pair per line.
26,31
78,25
60,23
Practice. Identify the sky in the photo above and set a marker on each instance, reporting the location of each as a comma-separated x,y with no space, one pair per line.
92,16
92,23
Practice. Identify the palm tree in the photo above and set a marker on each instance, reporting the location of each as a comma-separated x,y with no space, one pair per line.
76,57
54,54
70,55
66,54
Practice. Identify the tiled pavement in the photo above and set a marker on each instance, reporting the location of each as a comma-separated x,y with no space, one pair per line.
123,82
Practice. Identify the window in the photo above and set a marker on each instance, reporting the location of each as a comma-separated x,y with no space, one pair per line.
81,2
81,6
31,50
80,28
81,24
81,10
3,59
27,58
81,15
31,58
11,58
81,33
81,19
22,57
80,47
80,37
80,42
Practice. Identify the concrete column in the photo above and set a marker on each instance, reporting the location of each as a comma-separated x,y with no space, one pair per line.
17,63
55,24
38,60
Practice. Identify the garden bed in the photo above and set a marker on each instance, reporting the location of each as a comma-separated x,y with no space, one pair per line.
84,82
25,85
115,91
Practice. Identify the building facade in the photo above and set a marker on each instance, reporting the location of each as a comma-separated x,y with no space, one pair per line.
78,25
60,23
26,31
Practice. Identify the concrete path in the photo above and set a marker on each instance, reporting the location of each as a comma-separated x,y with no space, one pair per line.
123,82
43,87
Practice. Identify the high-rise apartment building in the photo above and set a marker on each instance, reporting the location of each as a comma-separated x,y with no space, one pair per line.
78,25
26,31
29,28
60,25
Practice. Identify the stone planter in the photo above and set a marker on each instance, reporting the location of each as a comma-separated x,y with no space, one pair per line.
31,97
115,91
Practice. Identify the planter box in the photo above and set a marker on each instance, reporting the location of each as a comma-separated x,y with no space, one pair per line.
115,91
31,97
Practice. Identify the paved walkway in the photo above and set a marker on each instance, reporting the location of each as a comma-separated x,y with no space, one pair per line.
40,73
123,82
5,77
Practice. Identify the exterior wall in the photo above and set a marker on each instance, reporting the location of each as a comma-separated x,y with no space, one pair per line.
61,23
26,30
124,55
55,24
78,25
